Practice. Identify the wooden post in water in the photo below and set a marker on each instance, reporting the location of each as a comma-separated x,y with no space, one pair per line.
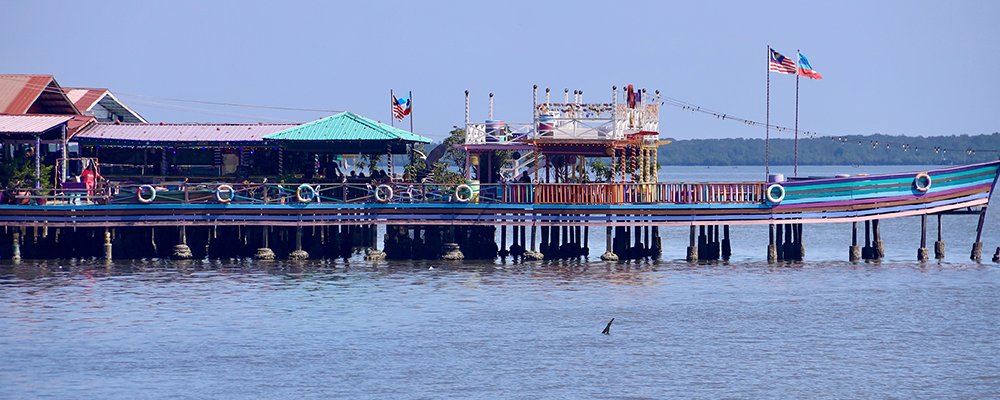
15,245
107,245
503,242
727,246
181,251
802,245
939,244
609,254
298,254
854,250
264,253
772,250
692,249
779,241
866,252
977,247
702,243
922,254
879,245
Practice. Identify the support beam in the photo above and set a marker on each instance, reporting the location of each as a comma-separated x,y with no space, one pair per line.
15,245
107,245
939,244
692,249
772,249
298,254
879,245
264,253
181,251
854,251
977,246
608,255
922,253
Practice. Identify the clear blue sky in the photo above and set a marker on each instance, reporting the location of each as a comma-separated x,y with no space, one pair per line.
896,67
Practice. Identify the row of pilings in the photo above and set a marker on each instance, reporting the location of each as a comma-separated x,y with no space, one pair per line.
409,242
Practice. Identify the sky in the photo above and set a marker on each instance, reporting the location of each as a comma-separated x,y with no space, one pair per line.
892,67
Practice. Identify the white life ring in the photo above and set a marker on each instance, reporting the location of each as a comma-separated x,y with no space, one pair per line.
769,193
305,188
383,193
225,189
917,182
150,189
458,193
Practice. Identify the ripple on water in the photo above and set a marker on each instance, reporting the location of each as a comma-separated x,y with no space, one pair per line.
350,329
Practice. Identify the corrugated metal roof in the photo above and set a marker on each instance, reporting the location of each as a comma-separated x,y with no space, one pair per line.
111,133
84,98
346,126
35,94
31,123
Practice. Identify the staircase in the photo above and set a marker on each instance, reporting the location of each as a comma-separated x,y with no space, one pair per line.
527,162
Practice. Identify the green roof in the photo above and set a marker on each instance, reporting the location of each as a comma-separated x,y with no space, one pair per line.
346,126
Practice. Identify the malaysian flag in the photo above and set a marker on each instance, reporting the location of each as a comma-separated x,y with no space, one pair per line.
780,64
400,107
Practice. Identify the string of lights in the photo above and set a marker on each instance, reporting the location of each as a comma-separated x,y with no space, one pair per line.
842,139
809,134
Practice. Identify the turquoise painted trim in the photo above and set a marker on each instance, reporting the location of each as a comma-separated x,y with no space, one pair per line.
875,195
790,189
879,192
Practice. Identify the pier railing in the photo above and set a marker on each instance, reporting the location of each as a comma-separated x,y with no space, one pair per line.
401,192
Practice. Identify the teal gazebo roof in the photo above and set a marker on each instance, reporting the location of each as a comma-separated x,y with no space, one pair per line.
345,126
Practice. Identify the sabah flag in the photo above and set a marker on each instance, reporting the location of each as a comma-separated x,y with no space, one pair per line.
807,70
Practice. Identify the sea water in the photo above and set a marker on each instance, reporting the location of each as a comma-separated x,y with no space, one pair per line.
823,328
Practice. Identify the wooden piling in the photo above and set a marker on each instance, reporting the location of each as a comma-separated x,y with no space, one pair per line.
16,245
692,249
107,245
727,246
772,249
977,246
298,254
854,251
609,254
879,245
922,254
181,251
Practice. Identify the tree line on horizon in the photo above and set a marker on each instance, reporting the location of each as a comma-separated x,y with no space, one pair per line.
854,150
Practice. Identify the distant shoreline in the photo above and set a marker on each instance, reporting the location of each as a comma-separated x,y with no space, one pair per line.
845,150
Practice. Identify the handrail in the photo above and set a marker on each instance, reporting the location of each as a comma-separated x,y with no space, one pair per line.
413,192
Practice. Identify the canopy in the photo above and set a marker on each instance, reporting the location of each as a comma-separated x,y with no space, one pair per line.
346,133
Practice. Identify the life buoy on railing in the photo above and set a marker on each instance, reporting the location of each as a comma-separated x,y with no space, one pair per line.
463,188
771,197
225,189
922,182
147,188
383,193
305,193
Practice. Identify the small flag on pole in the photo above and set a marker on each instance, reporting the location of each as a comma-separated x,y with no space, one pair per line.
400,107
780,64
807,70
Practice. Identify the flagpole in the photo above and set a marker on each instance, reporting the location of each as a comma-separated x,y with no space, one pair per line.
411,111
767,118
796,168
392,112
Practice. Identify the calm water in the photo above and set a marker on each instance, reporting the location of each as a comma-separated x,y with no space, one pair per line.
348,329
